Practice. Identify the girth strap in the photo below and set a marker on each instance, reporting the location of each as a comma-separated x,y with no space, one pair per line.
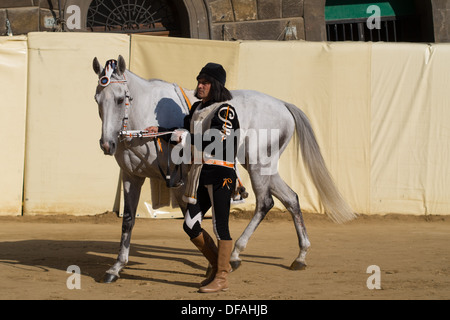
167,176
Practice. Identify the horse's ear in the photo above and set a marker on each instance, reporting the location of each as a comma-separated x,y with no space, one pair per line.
122,65
96,66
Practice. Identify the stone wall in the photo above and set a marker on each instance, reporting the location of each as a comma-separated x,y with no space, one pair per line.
441,20
255,19
27,15
228,19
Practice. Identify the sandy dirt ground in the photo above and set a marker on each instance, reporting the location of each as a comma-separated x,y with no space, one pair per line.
412,253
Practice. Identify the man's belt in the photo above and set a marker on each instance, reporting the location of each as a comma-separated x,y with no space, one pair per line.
219,163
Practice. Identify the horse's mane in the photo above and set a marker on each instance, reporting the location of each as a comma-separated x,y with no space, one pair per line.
147,80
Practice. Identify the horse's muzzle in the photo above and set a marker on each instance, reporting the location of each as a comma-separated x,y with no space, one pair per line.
108,147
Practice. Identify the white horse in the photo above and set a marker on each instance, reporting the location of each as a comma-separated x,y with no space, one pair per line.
129,102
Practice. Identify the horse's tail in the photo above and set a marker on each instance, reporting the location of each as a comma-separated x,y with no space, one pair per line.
335,205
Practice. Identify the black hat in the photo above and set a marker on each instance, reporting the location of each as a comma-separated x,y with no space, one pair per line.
215,71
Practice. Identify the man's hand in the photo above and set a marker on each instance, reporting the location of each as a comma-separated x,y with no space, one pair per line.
177,134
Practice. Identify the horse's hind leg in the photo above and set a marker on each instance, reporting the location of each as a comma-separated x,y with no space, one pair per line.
289,198
264,203
132,190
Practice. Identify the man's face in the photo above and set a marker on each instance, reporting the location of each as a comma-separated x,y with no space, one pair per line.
203,89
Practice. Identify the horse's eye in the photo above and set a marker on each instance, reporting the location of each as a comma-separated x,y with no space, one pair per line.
120,100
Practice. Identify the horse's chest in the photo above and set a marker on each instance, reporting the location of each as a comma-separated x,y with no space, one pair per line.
138,161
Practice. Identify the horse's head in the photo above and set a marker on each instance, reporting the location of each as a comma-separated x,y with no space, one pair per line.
111,97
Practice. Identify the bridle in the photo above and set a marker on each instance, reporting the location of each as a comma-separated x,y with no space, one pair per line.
104,81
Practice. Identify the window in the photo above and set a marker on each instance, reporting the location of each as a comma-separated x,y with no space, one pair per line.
357,30
137,16
346,20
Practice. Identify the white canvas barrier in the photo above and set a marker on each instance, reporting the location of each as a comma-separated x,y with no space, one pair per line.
13,86
379,111
65,170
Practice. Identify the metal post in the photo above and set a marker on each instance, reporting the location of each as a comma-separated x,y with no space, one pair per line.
60,15
8,25
361,31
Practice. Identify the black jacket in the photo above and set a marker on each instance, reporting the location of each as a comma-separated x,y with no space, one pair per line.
226,121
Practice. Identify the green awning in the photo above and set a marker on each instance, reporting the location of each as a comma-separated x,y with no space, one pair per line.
357,9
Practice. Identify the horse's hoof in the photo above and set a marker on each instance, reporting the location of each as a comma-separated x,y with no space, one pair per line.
235,264
109,278
296,265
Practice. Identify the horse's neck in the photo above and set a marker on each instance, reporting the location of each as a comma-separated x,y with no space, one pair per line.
141,110
154,102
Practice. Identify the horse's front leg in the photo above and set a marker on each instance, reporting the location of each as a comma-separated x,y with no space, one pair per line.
132,190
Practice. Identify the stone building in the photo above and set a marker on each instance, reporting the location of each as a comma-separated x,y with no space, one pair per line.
312,20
